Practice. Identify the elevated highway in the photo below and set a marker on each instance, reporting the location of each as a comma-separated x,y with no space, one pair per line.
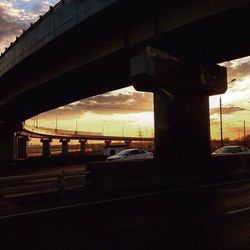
46,135
171,48
41,132
82,48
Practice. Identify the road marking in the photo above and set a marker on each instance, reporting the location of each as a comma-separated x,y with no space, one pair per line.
237,211
214,185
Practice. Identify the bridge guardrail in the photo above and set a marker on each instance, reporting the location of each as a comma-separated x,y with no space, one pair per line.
63,133
46,130
52,10
13,186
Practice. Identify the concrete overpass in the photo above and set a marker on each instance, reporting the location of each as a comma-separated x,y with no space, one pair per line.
46,135
86,47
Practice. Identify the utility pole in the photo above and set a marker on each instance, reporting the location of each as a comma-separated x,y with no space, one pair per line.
122,124
244,130
221,128
102,128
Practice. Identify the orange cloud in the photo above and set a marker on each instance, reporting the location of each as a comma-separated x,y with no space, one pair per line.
226,110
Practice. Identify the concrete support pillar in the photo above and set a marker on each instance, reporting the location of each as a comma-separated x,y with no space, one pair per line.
82,146
181,106
7,145
46,147
22,146
65,146
181,126
127,142
107,142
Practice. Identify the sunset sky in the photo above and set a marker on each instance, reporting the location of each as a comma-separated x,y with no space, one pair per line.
125,111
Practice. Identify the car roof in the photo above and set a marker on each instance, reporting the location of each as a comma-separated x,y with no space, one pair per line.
130,149
219,150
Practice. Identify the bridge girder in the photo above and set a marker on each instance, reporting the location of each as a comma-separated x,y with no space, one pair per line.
80,66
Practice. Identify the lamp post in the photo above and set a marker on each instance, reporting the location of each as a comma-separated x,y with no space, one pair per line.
103,126
221,128
56,120
221,125
244,131
122,128
36,121
102,129
77,124
34,125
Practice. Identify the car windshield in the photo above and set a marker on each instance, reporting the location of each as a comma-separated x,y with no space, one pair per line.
232,149
123,153
244,149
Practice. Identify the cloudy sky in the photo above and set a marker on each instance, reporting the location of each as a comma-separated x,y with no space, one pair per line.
125,111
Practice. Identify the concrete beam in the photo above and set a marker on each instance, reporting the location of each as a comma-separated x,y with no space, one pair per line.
155,70
57,37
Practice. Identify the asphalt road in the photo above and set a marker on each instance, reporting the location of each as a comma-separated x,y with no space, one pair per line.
209,217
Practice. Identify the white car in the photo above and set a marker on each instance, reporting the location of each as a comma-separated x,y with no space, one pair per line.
232,150
130,154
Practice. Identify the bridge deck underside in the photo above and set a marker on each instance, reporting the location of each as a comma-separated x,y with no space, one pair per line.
93,57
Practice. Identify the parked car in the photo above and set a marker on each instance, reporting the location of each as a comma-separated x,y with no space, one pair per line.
130,154
232,150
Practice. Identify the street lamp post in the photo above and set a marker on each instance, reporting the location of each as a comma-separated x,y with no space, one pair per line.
56,120
244,131
123,129
221,128
77,124
102,129
36,121
103,126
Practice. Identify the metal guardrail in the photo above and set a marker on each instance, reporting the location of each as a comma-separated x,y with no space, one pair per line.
52,131
59,133
13,186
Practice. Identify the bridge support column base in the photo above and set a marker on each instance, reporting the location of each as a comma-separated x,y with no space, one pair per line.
7,144
46,147
82,146
65,146
181,106
182,129
22,146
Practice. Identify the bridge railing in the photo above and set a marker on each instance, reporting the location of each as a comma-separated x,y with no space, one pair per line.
14,186
52,10
39,132
55,131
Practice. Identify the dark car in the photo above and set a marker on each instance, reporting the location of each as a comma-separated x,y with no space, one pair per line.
232,150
